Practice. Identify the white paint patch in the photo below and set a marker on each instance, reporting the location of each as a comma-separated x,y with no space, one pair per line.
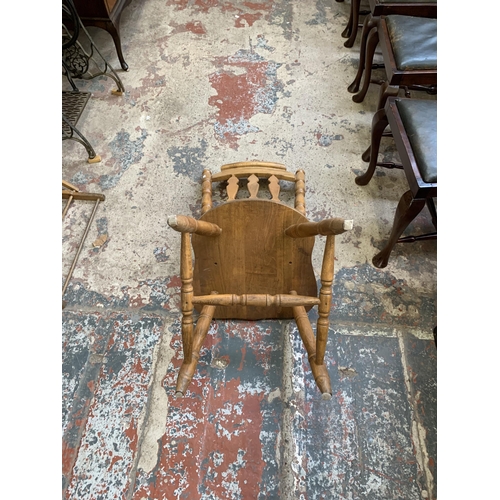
254,388
274,394
418,432
381,331
155,414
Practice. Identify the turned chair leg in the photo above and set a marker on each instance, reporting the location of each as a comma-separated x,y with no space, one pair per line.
320,373
186,296
371,45
379,123
354,24
188,367
325,297
408,208
368,25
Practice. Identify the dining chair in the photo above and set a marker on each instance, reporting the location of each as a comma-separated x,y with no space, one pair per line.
413,123
377,8
409,50
253,261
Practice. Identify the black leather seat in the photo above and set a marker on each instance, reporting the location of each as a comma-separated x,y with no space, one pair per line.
413,124
418,8
409,50
414,42
419,120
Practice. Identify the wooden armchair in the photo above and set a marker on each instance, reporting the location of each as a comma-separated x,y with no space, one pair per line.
253,261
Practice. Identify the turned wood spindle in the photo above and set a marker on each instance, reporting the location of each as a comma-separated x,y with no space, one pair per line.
188,368
206,191
232,187
187,296
274,188
300,191
325,297
256,300
253,186
320,373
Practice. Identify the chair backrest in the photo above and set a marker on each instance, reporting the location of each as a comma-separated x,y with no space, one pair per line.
254,171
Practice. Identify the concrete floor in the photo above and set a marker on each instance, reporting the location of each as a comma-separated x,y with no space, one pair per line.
214,82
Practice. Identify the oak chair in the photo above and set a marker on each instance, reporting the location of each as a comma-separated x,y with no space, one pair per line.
253,261
409,49
413,124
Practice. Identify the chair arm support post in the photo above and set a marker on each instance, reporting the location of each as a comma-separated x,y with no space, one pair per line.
300,191
206,190
325,227
325,297
187,296
186,224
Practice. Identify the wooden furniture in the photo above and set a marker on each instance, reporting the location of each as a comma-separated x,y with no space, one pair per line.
409,49
253,261
104,14
413,123
418,8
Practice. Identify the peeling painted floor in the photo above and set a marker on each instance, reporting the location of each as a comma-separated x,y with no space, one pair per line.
214,82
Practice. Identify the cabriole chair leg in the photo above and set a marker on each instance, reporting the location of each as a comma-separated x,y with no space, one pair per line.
408,208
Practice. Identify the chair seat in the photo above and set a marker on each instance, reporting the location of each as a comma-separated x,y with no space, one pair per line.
419,119
253,255
414,42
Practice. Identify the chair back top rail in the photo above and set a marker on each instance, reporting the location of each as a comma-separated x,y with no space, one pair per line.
246,171
269,164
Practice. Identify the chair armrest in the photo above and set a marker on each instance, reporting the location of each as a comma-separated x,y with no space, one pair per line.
325,227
